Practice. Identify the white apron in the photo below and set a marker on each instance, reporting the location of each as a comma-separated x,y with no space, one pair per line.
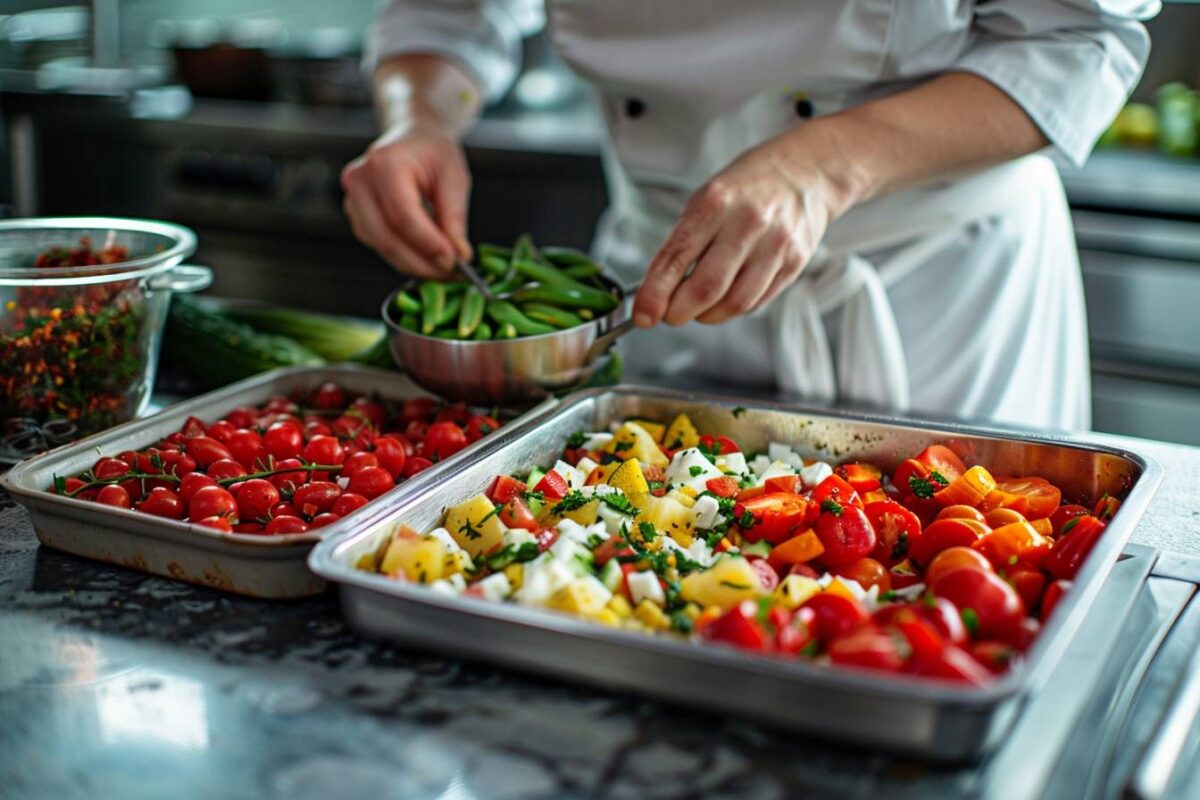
962,298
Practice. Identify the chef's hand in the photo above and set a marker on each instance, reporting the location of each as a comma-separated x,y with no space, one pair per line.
749,232
406,198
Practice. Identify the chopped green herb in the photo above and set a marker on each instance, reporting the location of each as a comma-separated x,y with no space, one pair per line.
470,531
1012,560
646,529
833,507
512,555
60,484
1071,523
533,497
889,596
738,411
921,487
746,521
709,450
577,439
574,499
655,485
681,622
621,447
938,477
619,502
695,470
811,648
496,510
900,548
971,620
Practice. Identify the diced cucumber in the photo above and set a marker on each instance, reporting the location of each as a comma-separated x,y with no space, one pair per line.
761,548
611,575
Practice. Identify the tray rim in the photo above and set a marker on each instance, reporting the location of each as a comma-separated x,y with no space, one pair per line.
324,561
18,481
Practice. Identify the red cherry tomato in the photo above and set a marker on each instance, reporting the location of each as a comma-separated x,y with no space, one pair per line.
415,465
896,530
283,440
866,572
162,502
284,509
193,426
867,646
942,460
191,483
835,615
224,469
248,527
552,486
846,536
114,495
322,449
1029,583
738,627
724,486
516,514
220,523
255,498
953,558
206,450
287,482
391,455
505,488
955,664
285,524
994,656
1033,498
348,503
1077,539
108,468
777,516
835,490
329,397
246,447
242,417
221,430
991,609
937,612
722,444
370,482
417,409
321,520
1054,593
478,426
783,483
316,497
940,535
358,462
611,548
211,501
443,440
369,410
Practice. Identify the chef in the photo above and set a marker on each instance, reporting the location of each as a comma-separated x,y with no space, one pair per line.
846,200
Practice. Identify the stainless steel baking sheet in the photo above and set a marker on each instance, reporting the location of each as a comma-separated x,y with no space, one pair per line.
260,566
927,719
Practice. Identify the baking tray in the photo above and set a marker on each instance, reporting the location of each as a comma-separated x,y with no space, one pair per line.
918,717
249,564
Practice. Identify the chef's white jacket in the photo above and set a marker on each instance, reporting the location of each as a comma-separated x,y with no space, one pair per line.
963,297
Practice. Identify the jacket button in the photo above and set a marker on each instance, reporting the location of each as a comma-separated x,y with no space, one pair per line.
634,108
804,108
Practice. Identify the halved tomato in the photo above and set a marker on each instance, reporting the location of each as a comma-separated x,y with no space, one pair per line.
943,460
896,530
1032,497
777,516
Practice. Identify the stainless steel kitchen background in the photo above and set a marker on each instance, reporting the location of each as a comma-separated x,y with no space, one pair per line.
235,118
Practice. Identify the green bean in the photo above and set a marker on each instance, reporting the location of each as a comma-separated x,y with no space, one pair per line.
569,257
483,332
506,313
407,304
494,251
559,318
433,305
410,323
507,331
582,272
471,313
446,333
544,273
439,315
568,297
494,266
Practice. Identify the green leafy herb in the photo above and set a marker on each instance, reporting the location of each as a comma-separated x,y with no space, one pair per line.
1012,560
646,529
695,470
811,649
724,504
938,477
971,620
746,520
621,447
60,484
900,548
655,485
921,487
832,507
533,497
495,510
470,531
1071,523
574,499
577,439
619,502
709,450
888,597
738,411
681,622
512,555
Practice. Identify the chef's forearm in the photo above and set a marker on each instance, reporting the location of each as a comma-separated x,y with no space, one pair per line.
424,89
955,123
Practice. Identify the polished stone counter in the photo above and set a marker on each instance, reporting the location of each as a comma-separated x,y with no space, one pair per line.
116,684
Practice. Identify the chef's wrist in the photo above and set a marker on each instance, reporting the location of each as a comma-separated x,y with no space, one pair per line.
816,154
419,93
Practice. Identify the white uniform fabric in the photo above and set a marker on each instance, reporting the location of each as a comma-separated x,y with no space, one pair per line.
961,298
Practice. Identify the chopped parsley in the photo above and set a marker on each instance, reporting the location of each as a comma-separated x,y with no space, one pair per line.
655,485
939,477
900,548
621,447
921,487
512,555
724,504
696,470
60,484
577,439
832,507
619,502
889,596
709,450
746,520
681,622
738,411
1071,523
971,620
676,443
574,499
714,538
533,497
496,510
470,531
646,529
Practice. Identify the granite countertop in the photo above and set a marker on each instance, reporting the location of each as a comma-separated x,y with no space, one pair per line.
114,683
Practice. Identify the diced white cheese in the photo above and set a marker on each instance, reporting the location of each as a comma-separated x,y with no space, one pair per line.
570,529
793,460
613,519
778,469
495,587
698,551
814,473
597,441
543,577
777,451
599,490
566,549
684,463
706,510
517,537
446,587
443,536
760,463
585,466
734,463
645,586
569,474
